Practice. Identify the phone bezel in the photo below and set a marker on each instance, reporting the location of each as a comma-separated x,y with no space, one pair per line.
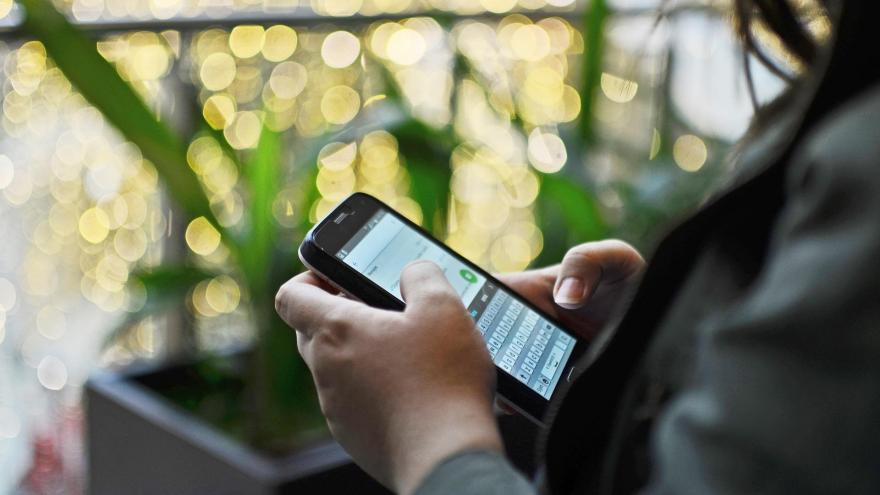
319,258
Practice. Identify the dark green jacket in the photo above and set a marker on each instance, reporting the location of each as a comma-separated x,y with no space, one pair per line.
748,360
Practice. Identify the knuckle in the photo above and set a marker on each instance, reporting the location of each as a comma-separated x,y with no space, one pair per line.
337,321
326,344
579,253
281,300
443,301
618,246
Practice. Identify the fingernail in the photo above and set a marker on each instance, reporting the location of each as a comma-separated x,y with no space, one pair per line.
570,292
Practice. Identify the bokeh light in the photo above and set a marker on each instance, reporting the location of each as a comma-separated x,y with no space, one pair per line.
280,43
201,237
52,373
340,104
218,71
690,152
340,49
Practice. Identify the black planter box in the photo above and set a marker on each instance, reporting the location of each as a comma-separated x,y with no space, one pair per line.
140,443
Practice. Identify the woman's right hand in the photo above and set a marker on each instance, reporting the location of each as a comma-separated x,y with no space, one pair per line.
582,291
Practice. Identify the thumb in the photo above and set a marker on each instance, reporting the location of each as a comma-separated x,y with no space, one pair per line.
423,282
587,265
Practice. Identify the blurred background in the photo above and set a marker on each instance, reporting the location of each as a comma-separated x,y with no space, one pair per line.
510,128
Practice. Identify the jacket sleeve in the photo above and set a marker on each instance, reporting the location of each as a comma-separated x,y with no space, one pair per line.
477,472
785,397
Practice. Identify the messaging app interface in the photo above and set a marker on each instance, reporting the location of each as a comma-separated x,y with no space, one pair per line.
521,342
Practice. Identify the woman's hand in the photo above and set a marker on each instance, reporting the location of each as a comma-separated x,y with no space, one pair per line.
400,391
583,290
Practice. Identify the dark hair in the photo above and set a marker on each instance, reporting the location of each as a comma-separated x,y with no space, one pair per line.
833,72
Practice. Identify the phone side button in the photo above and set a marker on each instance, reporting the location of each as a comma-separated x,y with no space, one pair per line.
570,372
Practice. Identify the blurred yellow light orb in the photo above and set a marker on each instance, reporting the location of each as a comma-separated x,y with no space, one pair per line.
94,225
222,294
5,7
406,47
571,104
218,71
111,273
280,43
522,188
618,89
200,301
245,131
544,85
201,237
546,151
335,185
337,156
340,49
52,373
498,6
489,216
689,152
288,79
340,104
510,253
148,56
145,335
130,244
392,6
7,171
559,33
530,43
379,37
474,183
246,41
560,3
337,8
219,110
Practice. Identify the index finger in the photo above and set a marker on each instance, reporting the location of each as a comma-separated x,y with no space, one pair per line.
304,303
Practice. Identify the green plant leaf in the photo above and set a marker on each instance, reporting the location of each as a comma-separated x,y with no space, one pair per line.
569,215
262,173
99,82
429,182
591,70
169,280
427,152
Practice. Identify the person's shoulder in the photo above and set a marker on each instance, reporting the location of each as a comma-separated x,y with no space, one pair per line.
851,133
843,148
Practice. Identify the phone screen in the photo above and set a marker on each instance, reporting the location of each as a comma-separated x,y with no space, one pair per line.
520,341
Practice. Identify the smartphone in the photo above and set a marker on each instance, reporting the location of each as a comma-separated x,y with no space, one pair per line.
361,248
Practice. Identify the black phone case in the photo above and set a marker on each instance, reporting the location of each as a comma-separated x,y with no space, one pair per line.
356,285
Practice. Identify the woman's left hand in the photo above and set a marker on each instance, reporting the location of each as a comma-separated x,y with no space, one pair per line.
401,391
